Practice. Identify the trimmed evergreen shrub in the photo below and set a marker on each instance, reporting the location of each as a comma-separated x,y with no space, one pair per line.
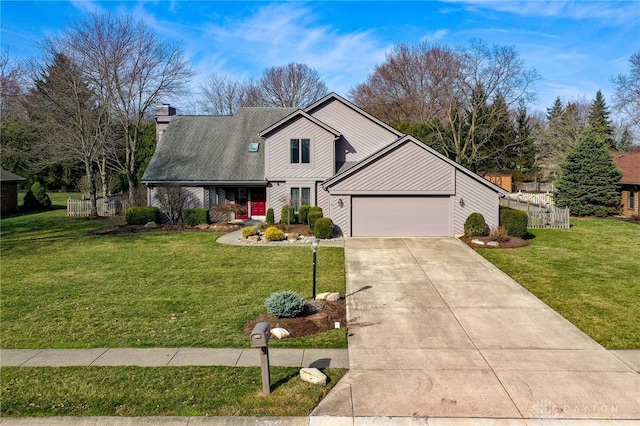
323,228
287,215
249,231
194,217
273,234
285,304
269,219
315,213
514,221
36,199
303,211
141,215
475,225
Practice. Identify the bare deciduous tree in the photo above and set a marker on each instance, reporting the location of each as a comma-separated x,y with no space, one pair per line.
131,69
223,95
455,86
626,95
291,85
172,199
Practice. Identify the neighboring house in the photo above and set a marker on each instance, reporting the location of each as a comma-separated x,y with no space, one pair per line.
629,163
9,191
371,179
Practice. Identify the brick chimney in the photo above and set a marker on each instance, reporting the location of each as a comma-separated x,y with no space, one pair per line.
164,113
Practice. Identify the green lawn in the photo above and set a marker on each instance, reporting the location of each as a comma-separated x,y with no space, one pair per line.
590,274
166,391
63,288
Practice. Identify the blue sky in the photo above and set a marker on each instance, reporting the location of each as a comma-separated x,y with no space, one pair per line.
576,47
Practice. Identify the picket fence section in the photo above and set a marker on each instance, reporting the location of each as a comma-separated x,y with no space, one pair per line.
115,205
541,215
538,198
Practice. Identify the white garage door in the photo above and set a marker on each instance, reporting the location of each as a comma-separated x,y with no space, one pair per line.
399,216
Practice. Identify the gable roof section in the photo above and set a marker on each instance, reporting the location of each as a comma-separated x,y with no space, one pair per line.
213,149
7,176
334,96
296,114
393,146
629,163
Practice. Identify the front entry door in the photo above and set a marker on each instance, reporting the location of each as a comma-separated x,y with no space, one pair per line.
258,202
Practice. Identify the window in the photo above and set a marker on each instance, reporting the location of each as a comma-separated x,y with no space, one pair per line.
300,196
300,151
254,146
631,203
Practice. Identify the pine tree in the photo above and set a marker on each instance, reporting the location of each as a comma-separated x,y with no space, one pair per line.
590,182
526,156
599,122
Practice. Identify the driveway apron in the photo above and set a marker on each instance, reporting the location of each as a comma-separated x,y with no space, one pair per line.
435,330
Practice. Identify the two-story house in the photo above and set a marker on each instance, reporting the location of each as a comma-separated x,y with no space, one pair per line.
371,179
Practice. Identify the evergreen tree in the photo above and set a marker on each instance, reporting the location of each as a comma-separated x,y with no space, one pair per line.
599,123
590,182
525,160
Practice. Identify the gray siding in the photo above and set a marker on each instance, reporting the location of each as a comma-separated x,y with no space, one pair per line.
361,136
322,199
477,198
406,169
278,163
341,215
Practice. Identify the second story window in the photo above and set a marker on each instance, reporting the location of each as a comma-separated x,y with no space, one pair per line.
300,151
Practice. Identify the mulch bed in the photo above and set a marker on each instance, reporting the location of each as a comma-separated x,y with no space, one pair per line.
303,326
512,242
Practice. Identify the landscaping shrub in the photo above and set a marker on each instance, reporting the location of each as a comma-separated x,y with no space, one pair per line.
303,211
285,304
515,221
273,234
287,215
314,214
475,225
194,217
249,231
499,234
36,199
141,215
270,220
323,228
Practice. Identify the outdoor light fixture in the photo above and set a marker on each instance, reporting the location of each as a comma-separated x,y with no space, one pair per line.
461,202
340,203
315,242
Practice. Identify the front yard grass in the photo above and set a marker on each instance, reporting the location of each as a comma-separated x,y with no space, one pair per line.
64,288
166,391
589,274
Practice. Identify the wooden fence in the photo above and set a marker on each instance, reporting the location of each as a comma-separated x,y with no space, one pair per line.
539,198
113,206
540,215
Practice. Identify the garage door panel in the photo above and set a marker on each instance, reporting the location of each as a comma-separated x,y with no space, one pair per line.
399,216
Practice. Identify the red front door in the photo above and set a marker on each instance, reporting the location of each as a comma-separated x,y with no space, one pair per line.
258,202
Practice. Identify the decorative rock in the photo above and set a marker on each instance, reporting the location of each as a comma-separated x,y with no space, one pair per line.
293,237
313,375
254,238
280,333
151,225
493,244
329,297
478,242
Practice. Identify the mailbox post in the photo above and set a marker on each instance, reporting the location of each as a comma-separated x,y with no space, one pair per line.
260,339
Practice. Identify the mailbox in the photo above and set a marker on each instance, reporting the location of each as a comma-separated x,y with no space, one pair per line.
260,335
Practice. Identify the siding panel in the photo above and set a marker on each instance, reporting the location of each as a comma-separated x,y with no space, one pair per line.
278,165
361,136
408,168
477,198
340,215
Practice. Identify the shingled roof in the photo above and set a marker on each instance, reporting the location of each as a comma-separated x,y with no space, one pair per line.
629,163
213,149
7,176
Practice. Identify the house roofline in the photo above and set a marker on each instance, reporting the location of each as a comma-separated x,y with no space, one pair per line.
334,95
404,139
299,112
255,183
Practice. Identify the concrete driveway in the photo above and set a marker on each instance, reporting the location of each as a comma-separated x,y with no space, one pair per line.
437,331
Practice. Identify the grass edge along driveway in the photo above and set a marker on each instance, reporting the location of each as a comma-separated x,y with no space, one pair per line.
588,274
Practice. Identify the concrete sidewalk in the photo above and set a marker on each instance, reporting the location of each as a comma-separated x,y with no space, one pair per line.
437,331
172,357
